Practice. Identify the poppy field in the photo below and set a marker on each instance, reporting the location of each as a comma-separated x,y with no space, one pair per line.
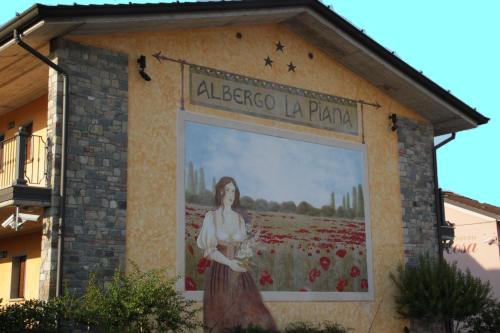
293,252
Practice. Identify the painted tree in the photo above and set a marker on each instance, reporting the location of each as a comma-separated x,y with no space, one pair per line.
195,181
190,178
332,203
354,202
201,181
361,202
213,184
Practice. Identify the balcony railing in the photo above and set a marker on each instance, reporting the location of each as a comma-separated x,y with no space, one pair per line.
23,160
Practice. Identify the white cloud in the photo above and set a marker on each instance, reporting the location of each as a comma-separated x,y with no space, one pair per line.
279,169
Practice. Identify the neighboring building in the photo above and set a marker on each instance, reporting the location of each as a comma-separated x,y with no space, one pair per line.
328,134
477,229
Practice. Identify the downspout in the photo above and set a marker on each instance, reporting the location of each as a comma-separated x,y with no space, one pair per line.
437,192
62,185
440,208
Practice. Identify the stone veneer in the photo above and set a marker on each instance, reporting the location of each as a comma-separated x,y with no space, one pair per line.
416,142
417,189
96,188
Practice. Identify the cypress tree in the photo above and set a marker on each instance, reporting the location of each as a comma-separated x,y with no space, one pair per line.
201,181
332,204
354,202
190,178
361,202
195,181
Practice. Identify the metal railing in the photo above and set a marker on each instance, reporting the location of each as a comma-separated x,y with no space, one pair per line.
23,160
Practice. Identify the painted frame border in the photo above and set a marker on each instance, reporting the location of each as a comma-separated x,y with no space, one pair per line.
182,118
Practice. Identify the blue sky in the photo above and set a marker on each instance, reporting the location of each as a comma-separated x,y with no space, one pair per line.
455,43
273,168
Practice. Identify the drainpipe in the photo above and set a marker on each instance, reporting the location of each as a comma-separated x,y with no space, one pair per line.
62,185
440,209
437,192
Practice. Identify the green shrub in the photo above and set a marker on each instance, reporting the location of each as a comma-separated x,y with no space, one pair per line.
299,327
136,302
488,321
30,316
326,327
436,291
251,329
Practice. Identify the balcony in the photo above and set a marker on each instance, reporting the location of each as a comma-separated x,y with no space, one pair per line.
23,171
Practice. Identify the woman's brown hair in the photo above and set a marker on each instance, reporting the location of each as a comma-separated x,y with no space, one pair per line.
220,190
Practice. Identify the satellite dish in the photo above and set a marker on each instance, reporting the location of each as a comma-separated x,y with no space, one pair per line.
16,220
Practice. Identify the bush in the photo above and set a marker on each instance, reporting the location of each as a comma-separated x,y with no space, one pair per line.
310,328
488,321
136,302
297,328
31,316
436,291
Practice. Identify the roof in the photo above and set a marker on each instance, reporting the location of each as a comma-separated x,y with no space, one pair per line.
310,19
471,204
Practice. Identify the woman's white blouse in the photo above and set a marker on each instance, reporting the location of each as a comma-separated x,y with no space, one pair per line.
215,229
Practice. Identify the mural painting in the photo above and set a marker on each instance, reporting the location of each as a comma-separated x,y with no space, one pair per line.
273,215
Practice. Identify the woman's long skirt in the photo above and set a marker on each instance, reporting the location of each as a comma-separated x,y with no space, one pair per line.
231,299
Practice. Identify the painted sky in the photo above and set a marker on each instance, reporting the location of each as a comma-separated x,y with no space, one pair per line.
273,168
454,43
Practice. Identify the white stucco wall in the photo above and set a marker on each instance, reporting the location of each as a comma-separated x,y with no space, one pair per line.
476,244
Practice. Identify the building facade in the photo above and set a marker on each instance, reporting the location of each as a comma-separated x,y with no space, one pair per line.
118,166
475,246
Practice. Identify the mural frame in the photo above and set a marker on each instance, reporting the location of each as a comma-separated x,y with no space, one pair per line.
185,116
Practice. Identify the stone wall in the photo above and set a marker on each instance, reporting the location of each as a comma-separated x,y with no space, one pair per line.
417,189
416,141
94,231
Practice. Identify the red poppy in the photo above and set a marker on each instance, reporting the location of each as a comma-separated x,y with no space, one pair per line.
324,263
341,253
313,274
203,264
195,225
364,284
302,230
189,283
355,271
341,284
273,251
259,252
265,278
303,289
190,249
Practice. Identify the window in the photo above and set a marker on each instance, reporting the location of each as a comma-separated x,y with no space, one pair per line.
18,277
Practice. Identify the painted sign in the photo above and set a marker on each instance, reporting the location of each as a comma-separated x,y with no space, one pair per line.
237,93
295,224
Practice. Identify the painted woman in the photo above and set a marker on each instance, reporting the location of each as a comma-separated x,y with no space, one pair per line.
231,298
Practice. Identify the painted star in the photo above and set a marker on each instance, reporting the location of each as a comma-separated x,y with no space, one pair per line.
291,67
279,46
268,61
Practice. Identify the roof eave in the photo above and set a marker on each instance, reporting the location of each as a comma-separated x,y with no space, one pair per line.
39,13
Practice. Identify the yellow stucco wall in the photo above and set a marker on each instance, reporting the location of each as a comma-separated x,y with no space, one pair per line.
34,112
151,201
28,245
